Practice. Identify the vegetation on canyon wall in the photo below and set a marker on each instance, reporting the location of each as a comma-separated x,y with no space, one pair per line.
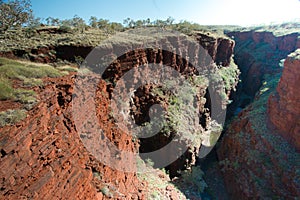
34,79
258,159
49,149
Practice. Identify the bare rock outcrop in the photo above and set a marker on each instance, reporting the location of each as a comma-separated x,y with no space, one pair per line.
42,157
284,104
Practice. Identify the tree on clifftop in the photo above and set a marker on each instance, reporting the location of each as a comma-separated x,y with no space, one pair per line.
14,13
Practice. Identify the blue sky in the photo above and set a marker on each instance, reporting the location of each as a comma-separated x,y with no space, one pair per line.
238,12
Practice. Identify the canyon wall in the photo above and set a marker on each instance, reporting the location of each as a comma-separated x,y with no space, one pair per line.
43,156
284,104
258,53
50,54
257,153
181,55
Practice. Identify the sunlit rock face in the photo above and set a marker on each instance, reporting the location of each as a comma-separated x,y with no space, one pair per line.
43,155
284,104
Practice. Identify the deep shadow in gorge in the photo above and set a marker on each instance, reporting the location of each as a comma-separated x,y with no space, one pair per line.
257,55
43,157
144,98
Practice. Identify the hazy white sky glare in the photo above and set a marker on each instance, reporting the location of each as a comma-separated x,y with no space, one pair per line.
261,11
214,12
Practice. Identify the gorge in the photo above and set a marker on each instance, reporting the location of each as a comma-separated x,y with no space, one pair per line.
42,156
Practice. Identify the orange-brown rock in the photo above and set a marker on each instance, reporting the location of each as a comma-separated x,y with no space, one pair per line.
284,105
42,157
219,49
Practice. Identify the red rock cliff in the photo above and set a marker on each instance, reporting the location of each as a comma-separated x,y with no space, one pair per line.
42,157
284,105
259,161
258,53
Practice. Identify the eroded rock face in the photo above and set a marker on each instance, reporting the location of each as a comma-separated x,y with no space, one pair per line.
50,54
258,160
219,49
43,157
284,105
258,53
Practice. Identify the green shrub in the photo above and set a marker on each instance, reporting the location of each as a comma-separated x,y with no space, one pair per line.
24,96
10,117
68,69
30,74
229,75
155,195
97,175
65,29
193,178
30,32
32,82
149,162
16,70
106,192
6,90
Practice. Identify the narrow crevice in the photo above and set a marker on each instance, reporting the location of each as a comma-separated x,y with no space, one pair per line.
3,153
